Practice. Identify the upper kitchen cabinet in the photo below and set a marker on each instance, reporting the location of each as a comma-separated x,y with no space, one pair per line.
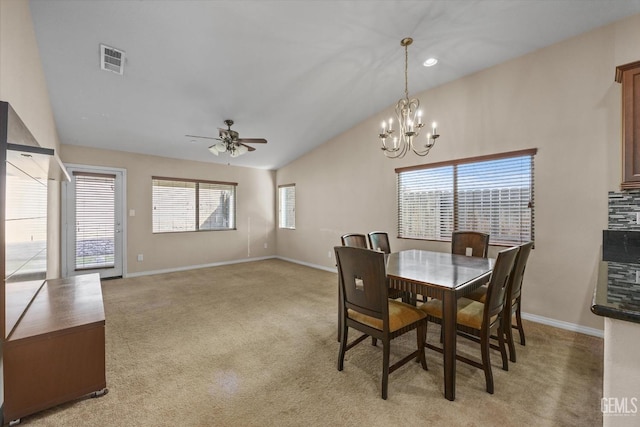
629,76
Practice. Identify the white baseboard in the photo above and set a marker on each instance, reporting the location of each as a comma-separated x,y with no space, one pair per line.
308,264
564,325
194,267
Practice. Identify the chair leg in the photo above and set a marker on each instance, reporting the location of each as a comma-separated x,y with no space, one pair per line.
508,331
501,344
374,341
486,360
422,335
344,332
519,323
385,367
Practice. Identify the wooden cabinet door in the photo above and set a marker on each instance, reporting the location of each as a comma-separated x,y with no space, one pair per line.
629,76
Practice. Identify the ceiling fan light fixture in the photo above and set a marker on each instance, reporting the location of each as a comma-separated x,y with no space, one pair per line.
230,142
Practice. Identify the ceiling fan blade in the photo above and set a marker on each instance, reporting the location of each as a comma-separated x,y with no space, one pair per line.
253,140
248,147
204,137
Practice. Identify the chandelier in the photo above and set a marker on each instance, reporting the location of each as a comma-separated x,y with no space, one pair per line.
409,122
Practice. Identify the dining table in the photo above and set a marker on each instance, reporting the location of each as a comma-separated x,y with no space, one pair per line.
444,276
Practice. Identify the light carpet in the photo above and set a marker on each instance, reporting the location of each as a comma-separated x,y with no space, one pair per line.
254,344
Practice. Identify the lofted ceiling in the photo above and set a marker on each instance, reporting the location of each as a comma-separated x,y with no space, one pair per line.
297,73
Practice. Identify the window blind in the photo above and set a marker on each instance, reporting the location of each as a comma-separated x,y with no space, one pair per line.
287,206
216,206
491,194
494,197
95,220
425,203
192,205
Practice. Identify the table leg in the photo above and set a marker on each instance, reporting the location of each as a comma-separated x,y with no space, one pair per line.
449,311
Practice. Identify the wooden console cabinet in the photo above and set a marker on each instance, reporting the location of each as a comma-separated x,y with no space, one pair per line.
629,76
55,347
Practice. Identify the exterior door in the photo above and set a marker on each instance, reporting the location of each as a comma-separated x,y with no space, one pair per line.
93,225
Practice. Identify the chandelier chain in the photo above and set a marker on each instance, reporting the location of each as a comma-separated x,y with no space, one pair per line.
406,72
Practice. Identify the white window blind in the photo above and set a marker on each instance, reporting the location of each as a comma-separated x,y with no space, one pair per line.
425,203
217,205
95,220
287,206
495,196
490,194
191,205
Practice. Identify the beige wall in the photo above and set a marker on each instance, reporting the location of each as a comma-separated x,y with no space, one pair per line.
254,216
562,100
23,85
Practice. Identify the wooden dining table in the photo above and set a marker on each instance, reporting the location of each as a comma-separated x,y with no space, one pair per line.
444,276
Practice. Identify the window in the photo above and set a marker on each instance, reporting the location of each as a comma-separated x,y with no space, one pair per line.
287,206
491,194
193,205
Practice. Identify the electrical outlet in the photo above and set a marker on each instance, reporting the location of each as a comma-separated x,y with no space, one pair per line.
329,254
140,257
266,246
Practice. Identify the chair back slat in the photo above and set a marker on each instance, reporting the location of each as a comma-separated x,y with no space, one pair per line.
518,271
478,242
497,288
379,241
363,280
354,240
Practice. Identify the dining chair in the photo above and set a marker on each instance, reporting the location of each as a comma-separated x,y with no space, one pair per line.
367,308
478,242
379,241
475,320
513,299
354,240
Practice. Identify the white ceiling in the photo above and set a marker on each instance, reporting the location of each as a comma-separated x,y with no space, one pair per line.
297,73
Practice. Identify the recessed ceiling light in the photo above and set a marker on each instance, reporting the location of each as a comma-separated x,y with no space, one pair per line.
430,62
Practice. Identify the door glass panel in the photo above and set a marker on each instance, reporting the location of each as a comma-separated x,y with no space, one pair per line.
95,220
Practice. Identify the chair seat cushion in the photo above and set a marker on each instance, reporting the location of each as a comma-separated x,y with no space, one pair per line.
400,315
469,311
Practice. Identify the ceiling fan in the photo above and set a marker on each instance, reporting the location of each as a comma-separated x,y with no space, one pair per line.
230,141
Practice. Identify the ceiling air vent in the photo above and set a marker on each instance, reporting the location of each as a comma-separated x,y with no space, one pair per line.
111,59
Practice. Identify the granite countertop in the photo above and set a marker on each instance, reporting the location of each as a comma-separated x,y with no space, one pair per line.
617,293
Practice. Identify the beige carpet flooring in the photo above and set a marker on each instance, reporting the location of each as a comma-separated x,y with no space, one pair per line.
254,344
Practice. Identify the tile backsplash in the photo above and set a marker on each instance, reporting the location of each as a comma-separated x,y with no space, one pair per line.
624,210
